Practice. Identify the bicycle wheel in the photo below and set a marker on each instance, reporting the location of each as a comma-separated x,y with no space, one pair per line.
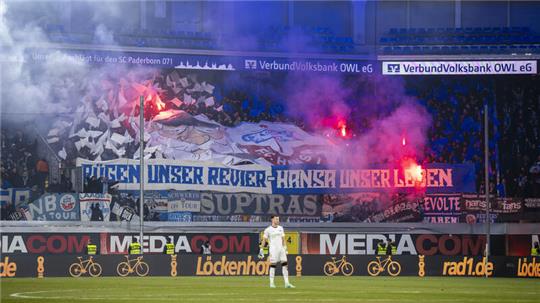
95,270
394,268
122,269
142,269
75,270
347,269
373,268
329,269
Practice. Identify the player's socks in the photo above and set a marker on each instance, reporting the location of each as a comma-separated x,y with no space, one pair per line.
285,271
272,274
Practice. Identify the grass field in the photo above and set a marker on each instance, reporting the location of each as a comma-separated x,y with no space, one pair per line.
256,290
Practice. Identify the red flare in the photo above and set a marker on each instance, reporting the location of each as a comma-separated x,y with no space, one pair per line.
342,127
412,169
343,130
416,172
403,142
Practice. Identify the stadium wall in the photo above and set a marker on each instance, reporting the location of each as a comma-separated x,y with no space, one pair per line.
242,238
42,266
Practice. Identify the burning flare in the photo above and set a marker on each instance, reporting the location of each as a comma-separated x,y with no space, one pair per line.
412,169
342,126
416,172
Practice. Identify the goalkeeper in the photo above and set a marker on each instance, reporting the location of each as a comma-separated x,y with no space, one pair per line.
275,235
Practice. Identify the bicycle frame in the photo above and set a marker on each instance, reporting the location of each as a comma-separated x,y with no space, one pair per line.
135,261
384,263
339,263
84,264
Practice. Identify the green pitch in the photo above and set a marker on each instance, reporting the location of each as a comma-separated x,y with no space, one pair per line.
256,290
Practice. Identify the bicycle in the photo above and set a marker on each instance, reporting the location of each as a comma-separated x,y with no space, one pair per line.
374,268
86,266
333,267
124,268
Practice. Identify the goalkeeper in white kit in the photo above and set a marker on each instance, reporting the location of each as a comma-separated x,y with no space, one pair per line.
275,235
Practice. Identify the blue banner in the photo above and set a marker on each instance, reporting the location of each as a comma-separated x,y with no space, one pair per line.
161,174
14,196
215,62
433,178
55,207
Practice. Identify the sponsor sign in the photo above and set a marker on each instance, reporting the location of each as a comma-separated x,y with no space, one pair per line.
210,62
309,65
7,269
55,207
468,266
231,266
32,265
406,244
528,267
118,243
458,67
95,207
309,179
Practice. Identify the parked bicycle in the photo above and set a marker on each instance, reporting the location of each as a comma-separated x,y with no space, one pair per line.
374,268
87,266
139,267
333,267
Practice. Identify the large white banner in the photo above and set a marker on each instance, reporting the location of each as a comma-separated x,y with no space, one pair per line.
458,67
161,174
281,137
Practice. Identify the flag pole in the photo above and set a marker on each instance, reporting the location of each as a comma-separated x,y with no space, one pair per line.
486,186
141,165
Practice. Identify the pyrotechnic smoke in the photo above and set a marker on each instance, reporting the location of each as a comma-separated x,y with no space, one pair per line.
44,88
380,109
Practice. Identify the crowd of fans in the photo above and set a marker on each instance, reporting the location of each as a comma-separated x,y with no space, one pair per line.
518,106
20,165
455,136
457,132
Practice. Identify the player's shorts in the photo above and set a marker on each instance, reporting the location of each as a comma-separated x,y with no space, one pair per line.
277,255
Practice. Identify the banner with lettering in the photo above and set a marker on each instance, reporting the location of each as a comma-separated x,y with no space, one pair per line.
435,178
95,207
55,207
181,205
442,208
161,174
14,196
499,205
404,208
246,207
